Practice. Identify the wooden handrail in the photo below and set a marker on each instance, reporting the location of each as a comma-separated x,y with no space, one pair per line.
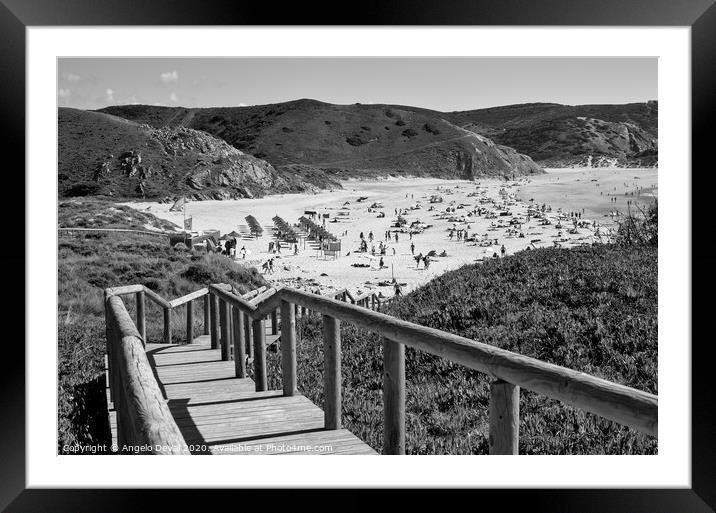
267,302
143,417
157,298
189,297
233,299
619,403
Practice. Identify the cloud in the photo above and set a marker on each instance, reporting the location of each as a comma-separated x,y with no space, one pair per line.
109,95
242,105
64,93
169,76
70,77
173,97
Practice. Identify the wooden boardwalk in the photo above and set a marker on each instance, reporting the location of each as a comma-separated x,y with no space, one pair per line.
218,413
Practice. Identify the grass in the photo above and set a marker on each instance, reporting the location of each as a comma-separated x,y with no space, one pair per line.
589,309
88,264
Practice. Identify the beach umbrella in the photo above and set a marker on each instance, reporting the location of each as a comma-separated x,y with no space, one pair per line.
234,234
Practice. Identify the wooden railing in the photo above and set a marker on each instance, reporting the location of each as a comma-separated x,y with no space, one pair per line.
144,422
238,323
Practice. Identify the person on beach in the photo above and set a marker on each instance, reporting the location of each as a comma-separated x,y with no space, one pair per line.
396,237
243,252
503,251
396,287
370,236
426,262
295,249
412,248
381,263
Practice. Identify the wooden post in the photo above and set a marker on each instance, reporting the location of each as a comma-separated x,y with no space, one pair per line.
288,347
393,397
504,418
259,329
206,314
239,343
332,371
141,317
224,320
190,322
249,336
214,313
109,348
167,325
274,322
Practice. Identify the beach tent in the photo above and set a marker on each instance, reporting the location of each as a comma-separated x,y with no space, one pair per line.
234,234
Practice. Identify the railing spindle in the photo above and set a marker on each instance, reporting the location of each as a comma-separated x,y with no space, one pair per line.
214,312
206,314
274,322
249,336
504,418
332,371
239,342
259,329
167,325
393,397
288,347
190,322
141,317
224,321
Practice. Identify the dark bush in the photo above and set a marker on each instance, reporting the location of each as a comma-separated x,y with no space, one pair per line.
409,132
431,129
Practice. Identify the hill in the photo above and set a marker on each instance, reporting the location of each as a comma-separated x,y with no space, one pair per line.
345,140
102,154
562,135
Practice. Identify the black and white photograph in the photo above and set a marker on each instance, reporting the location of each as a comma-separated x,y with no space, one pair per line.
462,235
357,255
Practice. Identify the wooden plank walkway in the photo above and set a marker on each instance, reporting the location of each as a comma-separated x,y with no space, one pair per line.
218,413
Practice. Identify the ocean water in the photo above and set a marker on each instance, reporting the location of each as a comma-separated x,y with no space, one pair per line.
593,190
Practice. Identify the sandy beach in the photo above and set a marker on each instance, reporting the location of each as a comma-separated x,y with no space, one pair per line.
494,213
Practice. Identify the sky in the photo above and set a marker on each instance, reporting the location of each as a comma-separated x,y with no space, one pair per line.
442,83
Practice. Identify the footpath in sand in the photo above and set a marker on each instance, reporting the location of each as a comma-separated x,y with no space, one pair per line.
491,211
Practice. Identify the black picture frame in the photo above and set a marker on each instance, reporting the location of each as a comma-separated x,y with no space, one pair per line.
700,15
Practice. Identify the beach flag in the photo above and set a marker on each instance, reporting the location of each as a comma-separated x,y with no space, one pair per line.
178,205
187,223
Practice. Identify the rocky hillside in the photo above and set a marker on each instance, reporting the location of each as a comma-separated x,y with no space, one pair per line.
102,154
563,136
311,137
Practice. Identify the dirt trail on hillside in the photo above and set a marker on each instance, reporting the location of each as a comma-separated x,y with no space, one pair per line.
185,121
364,159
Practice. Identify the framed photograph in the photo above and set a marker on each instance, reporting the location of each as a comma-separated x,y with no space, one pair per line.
431,233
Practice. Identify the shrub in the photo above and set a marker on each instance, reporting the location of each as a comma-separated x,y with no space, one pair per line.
409,132
431,129
640,227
